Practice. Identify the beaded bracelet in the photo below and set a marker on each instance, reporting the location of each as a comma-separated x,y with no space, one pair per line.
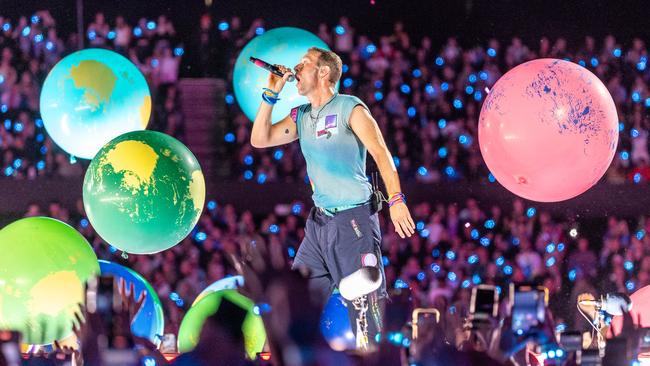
269,96
396,198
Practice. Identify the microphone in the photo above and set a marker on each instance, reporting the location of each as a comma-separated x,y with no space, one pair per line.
613,304
267,66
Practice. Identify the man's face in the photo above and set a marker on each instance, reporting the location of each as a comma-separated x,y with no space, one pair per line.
306,72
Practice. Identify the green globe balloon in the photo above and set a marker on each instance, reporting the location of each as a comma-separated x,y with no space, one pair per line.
92,96
144,192
252,327
43,268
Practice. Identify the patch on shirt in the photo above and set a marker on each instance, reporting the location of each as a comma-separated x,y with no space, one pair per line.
294,114
369,260
356,229
327,126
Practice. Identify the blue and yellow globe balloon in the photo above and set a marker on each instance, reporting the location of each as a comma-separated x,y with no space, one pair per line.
284,46
92,96
335,324
144,192
43,268
149,322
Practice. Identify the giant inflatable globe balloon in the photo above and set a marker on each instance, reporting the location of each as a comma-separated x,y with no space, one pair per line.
92,96
252,327
43,268
144,192
548,130
283,46
149,322
335,324
228,283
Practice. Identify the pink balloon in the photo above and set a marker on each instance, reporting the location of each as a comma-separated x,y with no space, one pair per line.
548,130
640,310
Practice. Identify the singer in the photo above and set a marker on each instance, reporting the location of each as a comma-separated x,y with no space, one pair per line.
342,233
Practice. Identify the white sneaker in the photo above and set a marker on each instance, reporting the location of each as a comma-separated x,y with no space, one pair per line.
359,283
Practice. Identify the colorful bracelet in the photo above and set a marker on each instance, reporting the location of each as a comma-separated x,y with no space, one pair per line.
396,198
269,96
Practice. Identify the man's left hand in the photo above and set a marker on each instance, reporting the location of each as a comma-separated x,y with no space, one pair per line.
402,220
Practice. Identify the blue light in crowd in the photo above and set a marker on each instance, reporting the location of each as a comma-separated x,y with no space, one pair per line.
6,27
491,52
72,159
40,165
385,261
92,35
155,62
259,31
594,62
291,252
278,154
84,223
230,137
424,233
419,225
647,102
435,268
466,284
230,99
451,276
551,354
371,48
572,275
43,150
485,241
261,178
340,30
416,73
458,104
38,38
476,279
629,285
3,108
400,284
507,270
174,296
378,84
472,259
344,68
223,26
444,86
248,175
347,82
421,276
379,96
396,161
440,61
411,112
423,171
625,155
450,171
18,163
200,236
560,328
137,31
489,224
9,171
35,19
474,234
634,133
582,63
451,255
471,78
640,234
621,126
274,229
26,31
296,209
641,65
429,89
531,212
179,51
500,261
18,127
550,262
515,241
111,35
405,88
435,253
616,52
559,352
49,45
483,75
491,178
442,123
211,205
636,96
637,178
463,139
2,79
151,25
7,124
442,152
550,248
628,265
248,160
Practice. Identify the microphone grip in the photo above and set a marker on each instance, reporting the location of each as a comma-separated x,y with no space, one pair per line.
271,68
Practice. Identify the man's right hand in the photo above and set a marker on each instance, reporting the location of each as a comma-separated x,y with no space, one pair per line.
276,83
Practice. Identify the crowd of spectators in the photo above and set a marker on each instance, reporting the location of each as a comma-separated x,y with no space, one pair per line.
30,46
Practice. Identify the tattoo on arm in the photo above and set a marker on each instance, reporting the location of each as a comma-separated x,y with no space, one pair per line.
286,131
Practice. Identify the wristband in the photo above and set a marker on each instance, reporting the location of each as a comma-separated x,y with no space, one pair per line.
396,198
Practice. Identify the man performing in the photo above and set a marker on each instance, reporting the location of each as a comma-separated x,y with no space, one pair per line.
342,233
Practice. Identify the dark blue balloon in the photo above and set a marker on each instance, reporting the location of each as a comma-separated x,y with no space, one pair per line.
335,324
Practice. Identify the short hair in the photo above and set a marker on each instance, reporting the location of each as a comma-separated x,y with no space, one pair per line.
331,59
